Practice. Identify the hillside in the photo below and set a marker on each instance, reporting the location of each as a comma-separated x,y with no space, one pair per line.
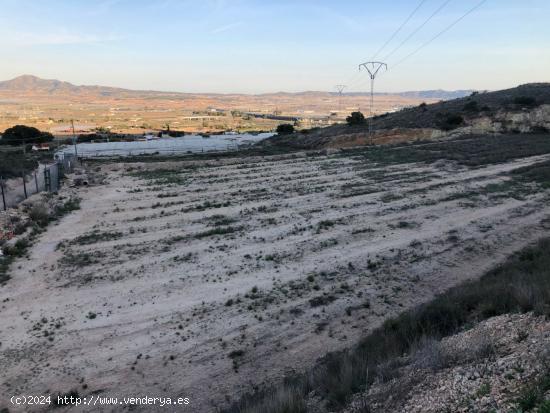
520,109
437,94
485,104
33,84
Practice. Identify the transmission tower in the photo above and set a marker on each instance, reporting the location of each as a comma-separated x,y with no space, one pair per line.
373,68
340,90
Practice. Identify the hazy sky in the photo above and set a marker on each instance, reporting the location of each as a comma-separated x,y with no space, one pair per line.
266,45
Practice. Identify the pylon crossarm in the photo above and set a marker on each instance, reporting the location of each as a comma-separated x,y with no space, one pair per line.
373,68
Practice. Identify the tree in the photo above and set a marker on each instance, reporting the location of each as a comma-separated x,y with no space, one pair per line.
356,118
285,129
21,134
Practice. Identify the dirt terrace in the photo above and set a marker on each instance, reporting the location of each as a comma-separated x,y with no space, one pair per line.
206,280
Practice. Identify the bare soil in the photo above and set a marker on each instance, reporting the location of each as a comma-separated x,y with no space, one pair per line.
208,279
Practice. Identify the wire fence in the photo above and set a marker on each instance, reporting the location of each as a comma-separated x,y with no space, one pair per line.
44,178
122,152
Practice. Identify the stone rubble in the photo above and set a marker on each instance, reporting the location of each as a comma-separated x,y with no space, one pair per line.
485,370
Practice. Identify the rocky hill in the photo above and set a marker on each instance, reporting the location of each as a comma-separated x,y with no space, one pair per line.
33,83
29,83
522,109
437,116
493,367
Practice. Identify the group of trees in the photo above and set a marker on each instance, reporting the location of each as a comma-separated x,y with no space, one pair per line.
21,135
356,118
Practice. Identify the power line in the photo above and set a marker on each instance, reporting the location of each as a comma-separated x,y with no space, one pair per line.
357,79
353,79
477,6
442,32
435,13
373,68
395,33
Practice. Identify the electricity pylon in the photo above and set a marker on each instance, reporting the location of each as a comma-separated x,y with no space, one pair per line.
373,68
340,90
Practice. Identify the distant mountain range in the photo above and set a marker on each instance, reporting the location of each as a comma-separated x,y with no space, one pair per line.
29,84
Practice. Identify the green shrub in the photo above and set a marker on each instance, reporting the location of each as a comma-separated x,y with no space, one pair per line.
97,236
217,231
72,204
322,300
285,129
18,249
544,407
533,396
5,263
356,118
21,134
39,214
452,122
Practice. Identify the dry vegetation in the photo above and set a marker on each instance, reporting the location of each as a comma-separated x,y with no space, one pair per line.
411,341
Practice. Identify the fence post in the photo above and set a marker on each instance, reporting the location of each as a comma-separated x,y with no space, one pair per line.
59,169
47,179
24,185
36,182
3,196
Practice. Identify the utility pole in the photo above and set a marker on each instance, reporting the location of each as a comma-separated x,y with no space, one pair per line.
340,90
74,140
373,68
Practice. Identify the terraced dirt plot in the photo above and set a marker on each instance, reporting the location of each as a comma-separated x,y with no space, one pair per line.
207,279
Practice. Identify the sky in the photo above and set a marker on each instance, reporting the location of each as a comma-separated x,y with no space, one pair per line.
262,46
